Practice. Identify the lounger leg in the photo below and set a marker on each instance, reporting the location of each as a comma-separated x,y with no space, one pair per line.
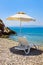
27,50
36,46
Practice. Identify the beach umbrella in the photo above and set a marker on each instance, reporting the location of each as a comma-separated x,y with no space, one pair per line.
21,16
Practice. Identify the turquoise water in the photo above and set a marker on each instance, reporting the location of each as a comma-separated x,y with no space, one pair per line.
33,35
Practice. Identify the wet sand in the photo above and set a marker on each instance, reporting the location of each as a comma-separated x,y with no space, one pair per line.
10,56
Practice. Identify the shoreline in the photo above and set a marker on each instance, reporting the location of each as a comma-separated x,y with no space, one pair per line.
8,56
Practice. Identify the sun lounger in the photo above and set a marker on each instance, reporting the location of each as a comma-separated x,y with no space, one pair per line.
24,45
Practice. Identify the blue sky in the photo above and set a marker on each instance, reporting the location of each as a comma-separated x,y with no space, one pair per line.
33,8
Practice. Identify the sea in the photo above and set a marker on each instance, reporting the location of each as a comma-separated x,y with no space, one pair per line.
33,34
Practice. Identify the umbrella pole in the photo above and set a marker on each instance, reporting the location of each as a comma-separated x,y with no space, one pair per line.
20,27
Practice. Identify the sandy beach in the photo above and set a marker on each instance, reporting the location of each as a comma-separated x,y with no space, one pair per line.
10,56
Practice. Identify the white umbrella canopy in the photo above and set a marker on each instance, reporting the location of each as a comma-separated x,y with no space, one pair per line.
21,16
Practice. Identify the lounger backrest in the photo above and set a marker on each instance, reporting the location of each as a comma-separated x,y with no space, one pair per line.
23,41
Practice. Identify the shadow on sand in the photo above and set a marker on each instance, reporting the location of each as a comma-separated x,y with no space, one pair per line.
33,51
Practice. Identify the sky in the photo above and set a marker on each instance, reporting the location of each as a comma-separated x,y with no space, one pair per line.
33,8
